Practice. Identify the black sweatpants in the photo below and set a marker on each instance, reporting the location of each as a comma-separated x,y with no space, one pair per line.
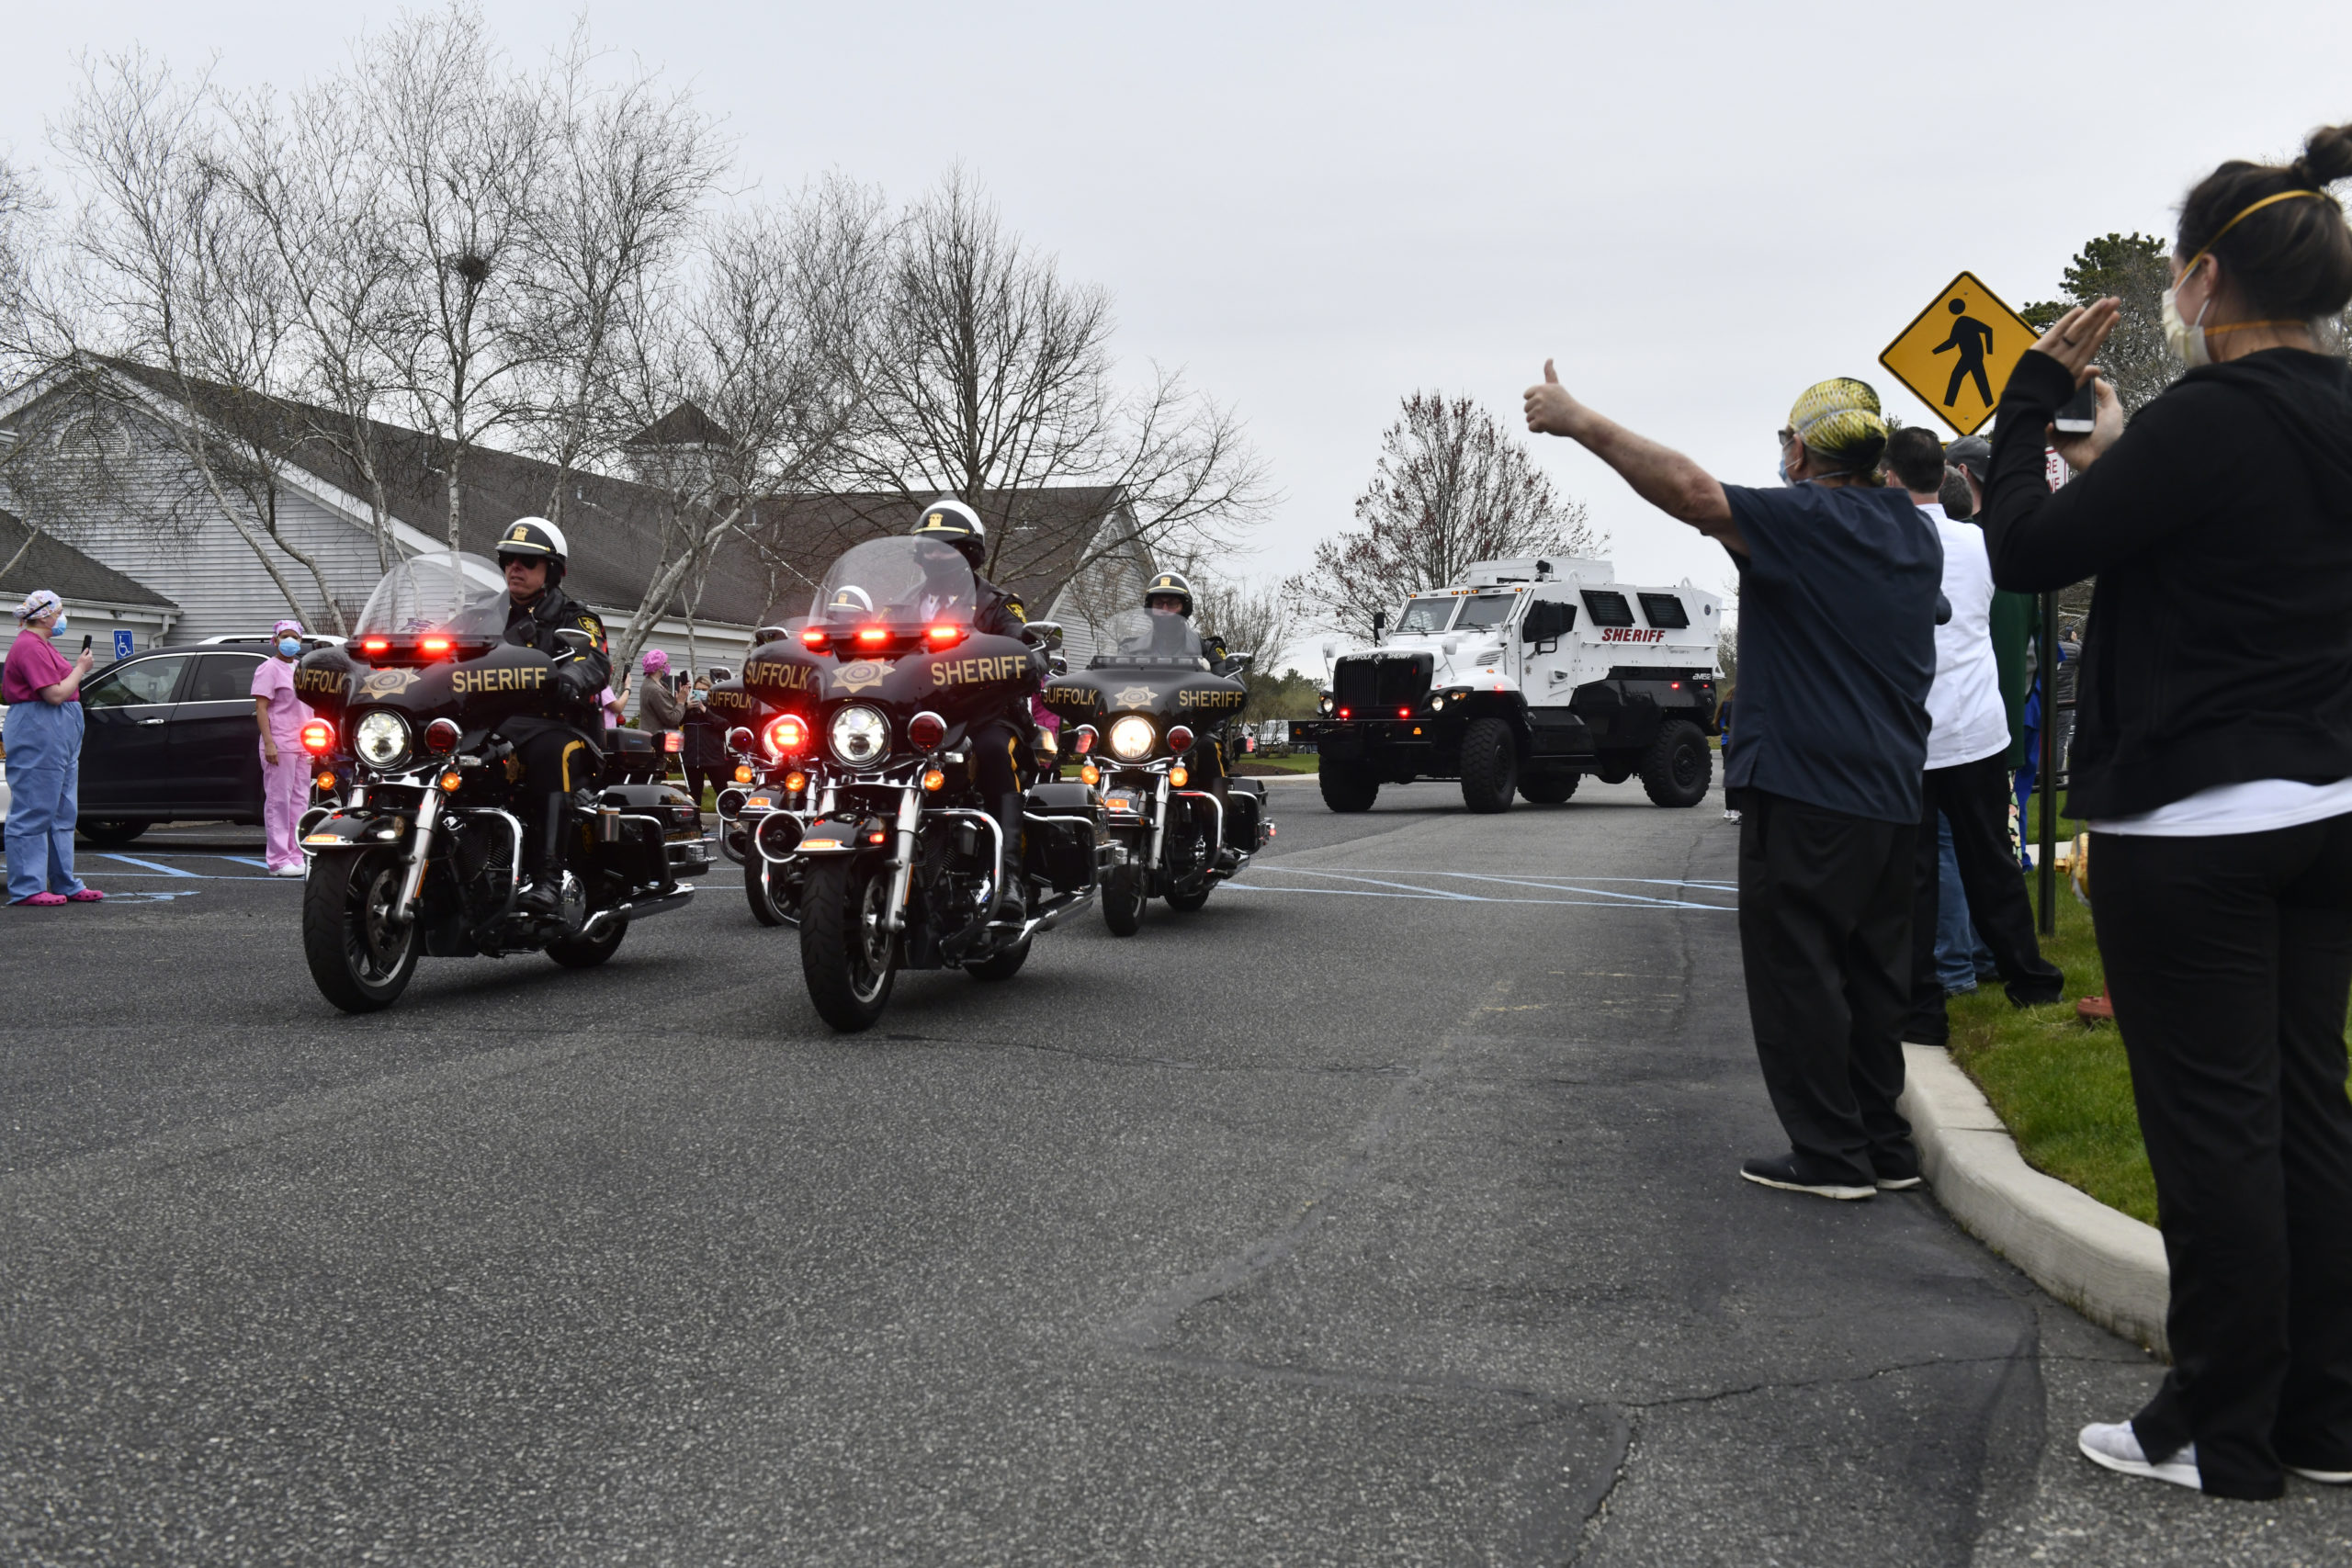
2228,961
1825,934
1975,798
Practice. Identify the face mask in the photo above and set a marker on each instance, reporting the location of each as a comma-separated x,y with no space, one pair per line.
290,646
58,629
2186,341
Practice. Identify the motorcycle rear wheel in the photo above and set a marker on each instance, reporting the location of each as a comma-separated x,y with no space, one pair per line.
1123,900
1004,965
360,962
759,891
586,952
849,962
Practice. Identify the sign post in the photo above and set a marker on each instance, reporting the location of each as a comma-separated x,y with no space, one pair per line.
1956,355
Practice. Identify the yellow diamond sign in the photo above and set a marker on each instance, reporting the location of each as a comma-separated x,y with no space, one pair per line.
1958,353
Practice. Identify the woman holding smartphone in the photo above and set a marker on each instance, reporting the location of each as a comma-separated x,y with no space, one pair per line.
44,737
2213,756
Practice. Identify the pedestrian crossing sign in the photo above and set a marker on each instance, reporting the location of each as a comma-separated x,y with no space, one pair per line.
1958,353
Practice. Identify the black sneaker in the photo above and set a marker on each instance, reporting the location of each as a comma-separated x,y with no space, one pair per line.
1782,1171
1897,1179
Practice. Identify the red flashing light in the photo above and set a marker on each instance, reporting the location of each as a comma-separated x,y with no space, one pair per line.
788,735
873,637
1404,713
944,637
878,837
926,730
375,645
318,736
1343,713
672,741
433,646
1084,740
1674,685
1180,739
441,737
813,637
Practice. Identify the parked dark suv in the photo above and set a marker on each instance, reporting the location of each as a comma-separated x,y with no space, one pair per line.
170,737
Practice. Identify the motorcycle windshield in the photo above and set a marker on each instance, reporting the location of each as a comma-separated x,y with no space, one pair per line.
446,590
897,582
1146,638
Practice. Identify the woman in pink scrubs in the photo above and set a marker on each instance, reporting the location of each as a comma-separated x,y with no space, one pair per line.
285,770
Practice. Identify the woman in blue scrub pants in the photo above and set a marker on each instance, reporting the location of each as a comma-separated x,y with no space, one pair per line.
44,737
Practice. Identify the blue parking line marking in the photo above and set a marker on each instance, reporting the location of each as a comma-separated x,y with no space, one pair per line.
152,866
243,859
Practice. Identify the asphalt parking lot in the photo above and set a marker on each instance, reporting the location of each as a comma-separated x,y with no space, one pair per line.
1384,1211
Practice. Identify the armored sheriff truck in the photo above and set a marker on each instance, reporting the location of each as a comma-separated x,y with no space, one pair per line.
1525,677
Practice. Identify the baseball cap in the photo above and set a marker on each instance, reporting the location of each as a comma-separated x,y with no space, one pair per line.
1972,453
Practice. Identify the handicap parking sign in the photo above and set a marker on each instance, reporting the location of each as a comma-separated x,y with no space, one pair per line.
122,645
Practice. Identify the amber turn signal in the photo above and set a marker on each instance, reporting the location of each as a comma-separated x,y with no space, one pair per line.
1091,773
1179,778
796,783
742,772
449,781
934,780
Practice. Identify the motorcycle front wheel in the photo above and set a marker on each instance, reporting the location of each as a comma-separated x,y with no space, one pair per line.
847,956
361,963
1123,900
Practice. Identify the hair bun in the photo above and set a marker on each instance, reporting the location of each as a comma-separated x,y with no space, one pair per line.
2327,157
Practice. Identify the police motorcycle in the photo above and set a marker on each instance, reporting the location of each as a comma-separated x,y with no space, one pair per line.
1147,721
424,856
761,781
869,720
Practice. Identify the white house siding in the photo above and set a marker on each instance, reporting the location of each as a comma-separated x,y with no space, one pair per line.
201,563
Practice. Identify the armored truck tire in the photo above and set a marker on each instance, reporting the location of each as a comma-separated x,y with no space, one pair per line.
112,831
1347,786
1549,788
1679,765
1490,765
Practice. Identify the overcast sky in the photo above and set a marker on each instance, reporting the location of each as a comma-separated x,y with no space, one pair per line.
1314,210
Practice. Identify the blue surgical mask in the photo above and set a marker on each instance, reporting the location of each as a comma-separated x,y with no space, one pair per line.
58,629
290,646
1784,471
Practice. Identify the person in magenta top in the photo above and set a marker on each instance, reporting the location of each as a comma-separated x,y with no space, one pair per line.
285,770
44,737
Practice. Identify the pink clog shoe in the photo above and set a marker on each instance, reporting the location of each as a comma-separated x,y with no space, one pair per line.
88,896
42,901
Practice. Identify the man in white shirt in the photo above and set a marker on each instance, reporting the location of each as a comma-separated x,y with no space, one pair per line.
1967,781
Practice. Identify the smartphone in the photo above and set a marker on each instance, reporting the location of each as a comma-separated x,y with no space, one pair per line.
2078,415
86,642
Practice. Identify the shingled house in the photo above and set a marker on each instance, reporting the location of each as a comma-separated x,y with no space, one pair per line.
148,550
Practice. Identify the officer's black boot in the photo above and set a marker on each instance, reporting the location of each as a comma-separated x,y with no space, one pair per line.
1012,902
543,895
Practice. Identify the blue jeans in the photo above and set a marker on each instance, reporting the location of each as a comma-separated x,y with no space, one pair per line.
44,797
1961,957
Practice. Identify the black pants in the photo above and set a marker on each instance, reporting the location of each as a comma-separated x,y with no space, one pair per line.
995,768
1825,933
2228,961
1975,798
699,778
557,759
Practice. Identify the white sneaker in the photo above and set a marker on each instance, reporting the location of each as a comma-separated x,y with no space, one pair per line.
2324,1477
2117,1447
290,871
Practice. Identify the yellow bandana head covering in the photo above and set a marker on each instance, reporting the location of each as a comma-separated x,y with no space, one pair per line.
1840,418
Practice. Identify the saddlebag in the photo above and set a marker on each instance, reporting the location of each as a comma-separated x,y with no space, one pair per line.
1064,826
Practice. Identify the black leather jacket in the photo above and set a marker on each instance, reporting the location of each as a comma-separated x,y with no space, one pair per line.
579,678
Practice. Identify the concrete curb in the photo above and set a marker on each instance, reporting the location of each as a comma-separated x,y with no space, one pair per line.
2104,1264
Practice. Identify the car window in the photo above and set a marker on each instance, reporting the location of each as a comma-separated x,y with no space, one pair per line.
223,678
142,680
1487,610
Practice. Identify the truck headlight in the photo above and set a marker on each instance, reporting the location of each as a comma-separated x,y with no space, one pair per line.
859,736
1325,705
382,739
1133,738
1437,705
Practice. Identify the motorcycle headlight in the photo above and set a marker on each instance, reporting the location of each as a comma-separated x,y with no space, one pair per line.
381,739
859,736
1133,738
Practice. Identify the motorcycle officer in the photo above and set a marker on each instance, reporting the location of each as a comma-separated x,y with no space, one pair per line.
557,752
1169,593
997,743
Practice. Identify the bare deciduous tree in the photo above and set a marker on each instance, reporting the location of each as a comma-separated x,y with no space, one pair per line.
1453,485
183,283
983,371
459,148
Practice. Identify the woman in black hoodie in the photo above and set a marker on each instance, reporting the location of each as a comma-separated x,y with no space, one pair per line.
2213,756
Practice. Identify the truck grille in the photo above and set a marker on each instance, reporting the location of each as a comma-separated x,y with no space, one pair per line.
1382,680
